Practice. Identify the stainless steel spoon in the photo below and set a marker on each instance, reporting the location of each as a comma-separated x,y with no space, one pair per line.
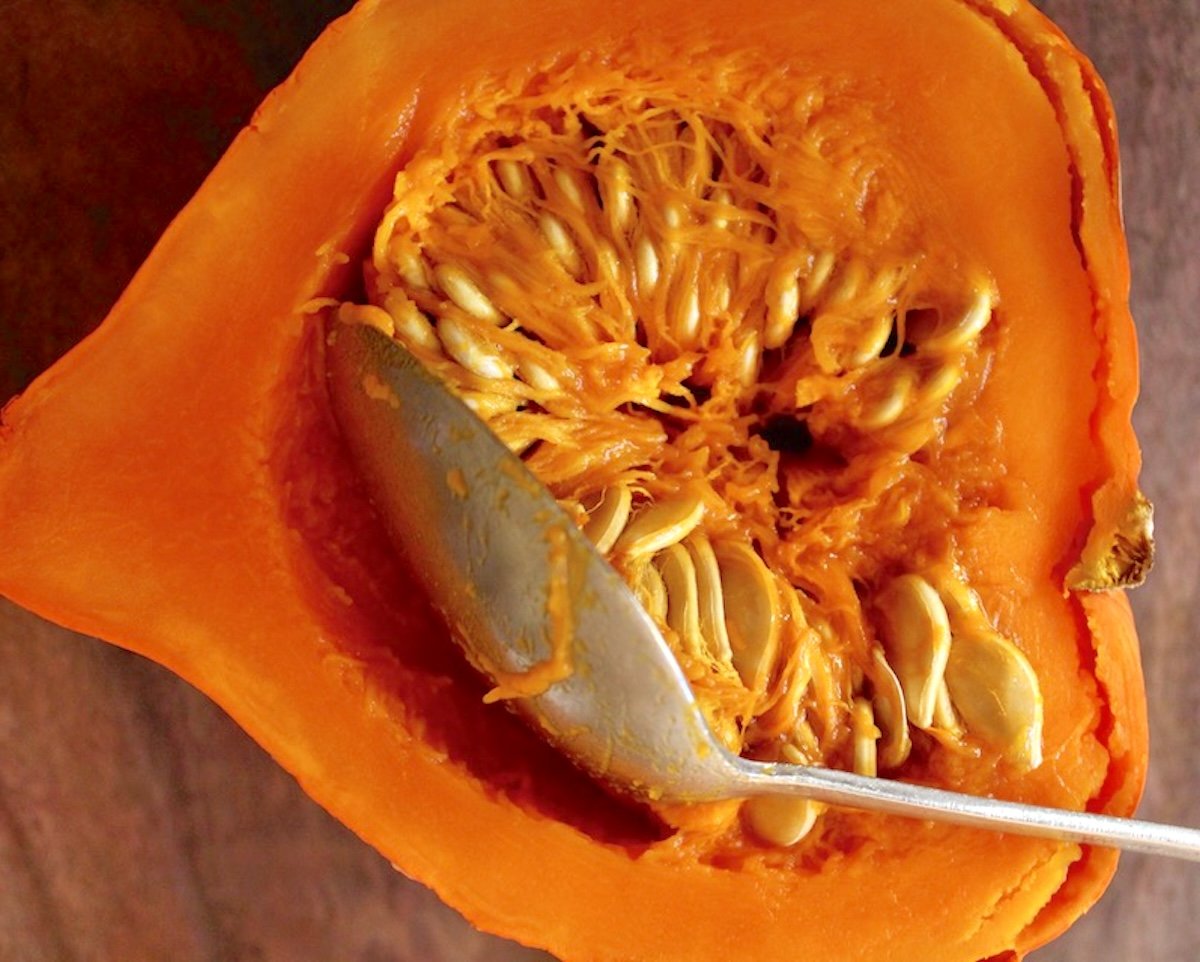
490,545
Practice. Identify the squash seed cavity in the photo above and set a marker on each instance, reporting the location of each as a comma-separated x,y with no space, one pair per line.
704,322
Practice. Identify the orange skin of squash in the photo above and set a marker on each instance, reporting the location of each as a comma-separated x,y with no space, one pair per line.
175,486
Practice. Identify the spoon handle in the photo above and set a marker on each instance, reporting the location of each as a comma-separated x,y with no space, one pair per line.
917,801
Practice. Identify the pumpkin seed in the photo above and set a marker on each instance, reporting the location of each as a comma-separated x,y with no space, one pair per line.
561,243
945,718
711,595
803,747
465,293
514,178
963,604
752,611
721,202
616,194
687,316
994,688
843,341
673,216
490,404
721,291
646,266
939,384
536,376
412,326
651,591
749,358
890,713
934,334
990,681
570,186
678,572
818,277
608,263
916,637
607,518
477,355
783,306
850,281
780,819
660,525
411,267
886,399
866,736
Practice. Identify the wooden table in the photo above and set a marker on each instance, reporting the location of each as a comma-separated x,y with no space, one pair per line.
136,821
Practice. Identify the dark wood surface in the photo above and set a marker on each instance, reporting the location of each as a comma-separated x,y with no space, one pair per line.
136,821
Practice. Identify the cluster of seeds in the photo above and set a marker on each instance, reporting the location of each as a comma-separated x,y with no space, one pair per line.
704,328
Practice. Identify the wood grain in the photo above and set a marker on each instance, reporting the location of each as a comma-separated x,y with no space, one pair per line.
136,821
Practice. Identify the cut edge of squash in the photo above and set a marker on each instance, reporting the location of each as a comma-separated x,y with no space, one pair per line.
1107,614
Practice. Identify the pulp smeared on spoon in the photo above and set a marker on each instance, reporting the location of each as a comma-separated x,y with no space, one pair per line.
541,675
712,324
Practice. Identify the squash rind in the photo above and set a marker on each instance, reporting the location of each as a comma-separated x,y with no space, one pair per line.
216,583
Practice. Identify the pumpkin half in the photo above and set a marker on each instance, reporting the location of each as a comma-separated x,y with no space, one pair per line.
833,291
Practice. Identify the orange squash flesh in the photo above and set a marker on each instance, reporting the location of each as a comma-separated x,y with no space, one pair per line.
176,486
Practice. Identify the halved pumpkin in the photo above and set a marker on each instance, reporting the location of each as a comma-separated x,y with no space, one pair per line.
223,533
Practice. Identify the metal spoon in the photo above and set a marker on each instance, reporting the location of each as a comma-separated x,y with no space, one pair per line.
478,529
